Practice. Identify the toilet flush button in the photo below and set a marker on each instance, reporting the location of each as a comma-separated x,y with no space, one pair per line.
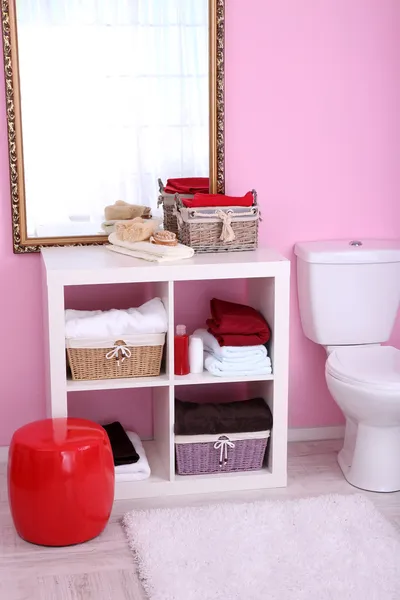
355,243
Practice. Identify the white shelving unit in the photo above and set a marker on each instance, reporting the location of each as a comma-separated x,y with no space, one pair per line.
267,279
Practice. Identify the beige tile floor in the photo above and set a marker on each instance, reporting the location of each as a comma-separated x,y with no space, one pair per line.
103,568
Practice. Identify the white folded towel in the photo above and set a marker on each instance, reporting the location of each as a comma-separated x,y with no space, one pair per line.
151,317
232,364
212,346
228,369
138,470
149,251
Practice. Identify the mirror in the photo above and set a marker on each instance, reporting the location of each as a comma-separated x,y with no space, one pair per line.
104,97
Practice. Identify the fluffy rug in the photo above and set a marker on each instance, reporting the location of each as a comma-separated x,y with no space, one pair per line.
326,548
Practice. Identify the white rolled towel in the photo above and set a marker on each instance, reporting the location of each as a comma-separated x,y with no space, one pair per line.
151,317
212,346
136,471
221,368
148,251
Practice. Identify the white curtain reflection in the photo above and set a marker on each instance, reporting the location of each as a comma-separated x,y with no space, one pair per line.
114,95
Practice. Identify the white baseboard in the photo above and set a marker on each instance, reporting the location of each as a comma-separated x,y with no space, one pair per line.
3,454
296,434
314,434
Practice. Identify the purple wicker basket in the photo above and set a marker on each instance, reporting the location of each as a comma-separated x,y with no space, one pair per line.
202,454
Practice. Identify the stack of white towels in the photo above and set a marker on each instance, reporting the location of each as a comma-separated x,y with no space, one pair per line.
136,471
235,361
147,251
151,317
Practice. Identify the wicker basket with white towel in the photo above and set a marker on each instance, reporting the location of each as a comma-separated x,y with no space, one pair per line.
116,343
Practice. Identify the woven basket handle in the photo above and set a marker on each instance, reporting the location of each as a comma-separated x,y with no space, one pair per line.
161,191
177,214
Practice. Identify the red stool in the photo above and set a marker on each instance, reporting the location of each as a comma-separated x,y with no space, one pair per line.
60,481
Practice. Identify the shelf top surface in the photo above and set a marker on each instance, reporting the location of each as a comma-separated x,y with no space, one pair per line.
69,263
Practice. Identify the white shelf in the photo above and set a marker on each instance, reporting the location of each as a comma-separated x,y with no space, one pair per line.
161,381
114,384
267,286
192,484
95,264
205,377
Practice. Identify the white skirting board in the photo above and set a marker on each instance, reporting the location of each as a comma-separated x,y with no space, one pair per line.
3,454
314,434
297,434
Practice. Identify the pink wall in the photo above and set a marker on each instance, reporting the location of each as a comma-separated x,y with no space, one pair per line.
312,122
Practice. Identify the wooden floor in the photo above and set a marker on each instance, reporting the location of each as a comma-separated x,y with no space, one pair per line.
103,568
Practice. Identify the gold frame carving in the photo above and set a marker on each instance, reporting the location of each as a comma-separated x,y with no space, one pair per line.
21,243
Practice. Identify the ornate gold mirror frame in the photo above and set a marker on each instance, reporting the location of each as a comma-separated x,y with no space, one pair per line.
21,242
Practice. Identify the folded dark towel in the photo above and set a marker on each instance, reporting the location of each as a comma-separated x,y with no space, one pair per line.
230,417
124,452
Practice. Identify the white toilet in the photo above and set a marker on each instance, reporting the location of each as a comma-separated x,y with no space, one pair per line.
349,294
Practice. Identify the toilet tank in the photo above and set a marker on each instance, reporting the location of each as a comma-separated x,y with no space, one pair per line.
349,291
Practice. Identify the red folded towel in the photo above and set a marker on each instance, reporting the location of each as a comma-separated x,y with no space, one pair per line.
236,339
203,200
237,325
187,185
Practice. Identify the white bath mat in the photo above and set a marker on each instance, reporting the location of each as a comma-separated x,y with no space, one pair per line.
326,548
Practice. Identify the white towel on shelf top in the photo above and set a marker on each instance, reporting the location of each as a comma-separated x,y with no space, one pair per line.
151,317
212,346
135,471
148,251
245,368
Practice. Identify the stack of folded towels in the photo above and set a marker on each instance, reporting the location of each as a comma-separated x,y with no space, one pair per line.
235,342
130,459
149,251
142,238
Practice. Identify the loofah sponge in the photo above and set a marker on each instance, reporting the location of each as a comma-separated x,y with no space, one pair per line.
137,230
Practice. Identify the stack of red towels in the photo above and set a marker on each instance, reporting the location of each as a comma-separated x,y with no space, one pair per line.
187,185
198,189
234,343
237,325
201,200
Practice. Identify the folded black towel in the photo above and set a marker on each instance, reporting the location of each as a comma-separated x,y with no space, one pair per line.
231,417
124,452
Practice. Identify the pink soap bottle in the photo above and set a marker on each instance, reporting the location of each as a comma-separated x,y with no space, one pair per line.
181,349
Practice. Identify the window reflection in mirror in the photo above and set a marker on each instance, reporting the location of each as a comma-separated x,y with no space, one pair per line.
114,95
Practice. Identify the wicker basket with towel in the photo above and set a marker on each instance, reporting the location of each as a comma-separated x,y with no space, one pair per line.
218,228
221,437
183,186
116,343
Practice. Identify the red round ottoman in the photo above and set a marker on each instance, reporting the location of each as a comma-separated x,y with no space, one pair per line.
60,481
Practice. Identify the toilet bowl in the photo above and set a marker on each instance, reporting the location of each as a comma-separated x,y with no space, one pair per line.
349,295
365,383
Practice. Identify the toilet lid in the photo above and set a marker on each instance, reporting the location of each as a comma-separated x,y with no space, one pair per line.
377,366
